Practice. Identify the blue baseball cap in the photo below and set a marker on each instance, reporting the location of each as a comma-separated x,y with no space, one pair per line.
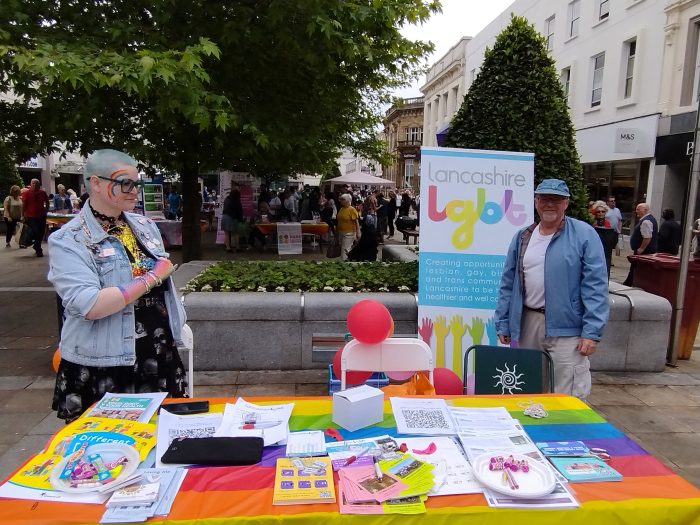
553,187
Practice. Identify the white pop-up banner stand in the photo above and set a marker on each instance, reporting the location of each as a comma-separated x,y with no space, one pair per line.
472,203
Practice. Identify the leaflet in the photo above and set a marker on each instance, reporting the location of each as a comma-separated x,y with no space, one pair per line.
133,407
422,416
271,422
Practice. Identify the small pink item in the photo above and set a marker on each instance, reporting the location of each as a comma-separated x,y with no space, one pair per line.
429,450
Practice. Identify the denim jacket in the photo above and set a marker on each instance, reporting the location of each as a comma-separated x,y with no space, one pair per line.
575,284
84,260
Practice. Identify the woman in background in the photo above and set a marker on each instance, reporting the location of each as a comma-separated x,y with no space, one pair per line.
12,213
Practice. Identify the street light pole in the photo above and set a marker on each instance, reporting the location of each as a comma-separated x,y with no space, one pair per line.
672,356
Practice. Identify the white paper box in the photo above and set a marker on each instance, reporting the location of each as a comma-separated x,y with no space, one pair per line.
358,407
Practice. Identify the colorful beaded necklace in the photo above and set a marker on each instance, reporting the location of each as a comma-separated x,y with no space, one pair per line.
141,263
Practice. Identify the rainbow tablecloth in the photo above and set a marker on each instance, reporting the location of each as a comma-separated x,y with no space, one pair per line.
650,492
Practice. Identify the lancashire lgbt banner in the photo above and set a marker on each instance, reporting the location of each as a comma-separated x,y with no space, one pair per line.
472,203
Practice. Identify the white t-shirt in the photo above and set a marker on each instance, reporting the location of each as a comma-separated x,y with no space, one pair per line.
533,268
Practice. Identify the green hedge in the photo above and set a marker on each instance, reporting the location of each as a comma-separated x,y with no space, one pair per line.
306,276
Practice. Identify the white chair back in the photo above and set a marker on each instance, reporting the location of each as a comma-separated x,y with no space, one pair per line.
393,354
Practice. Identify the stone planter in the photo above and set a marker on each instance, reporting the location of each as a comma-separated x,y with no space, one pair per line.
274,331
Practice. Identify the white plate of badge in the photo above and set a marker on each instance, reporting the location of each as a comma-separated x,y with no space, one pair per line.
513,474
95,468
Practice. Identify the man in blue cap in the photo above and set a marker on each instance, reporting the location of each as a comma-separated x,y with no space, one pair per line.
554,290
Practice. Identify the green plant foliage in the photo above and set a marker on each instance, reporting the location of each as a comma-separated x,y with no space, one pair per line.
517,103
305,276
9,176
272,87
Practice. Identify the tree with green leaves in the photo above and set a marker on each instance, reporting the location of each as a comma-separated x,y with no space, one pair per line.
9,176
265,86
517,103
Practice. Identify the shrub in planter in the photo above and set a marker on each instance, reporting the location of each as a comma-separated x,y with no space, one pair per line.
306,276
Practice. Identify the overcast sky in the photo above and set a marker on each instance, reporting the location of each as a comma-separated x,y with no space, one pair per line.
458,18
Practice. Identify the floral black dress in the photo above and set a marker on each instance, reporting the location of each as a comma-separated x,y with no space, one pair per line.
158,367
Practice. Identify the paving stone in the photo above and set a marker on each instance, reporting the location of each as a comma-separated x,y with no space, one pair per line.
645,378
643,419
6,342
28,362
20,452
690,392
311,389
35,342
656,395
687,415
680,447
283,390
15,382
43,383
48,425
612,395
16,426
25,401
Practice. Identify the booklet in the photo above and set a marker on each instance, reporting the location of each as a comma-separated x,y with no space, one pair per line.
563,448
133,407
587,468
303,480
135,494
32,480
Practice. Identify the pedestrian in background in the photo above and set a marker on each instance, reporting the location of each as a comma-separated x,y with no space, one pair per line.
670,233
391,212
608,236
614,216
35,207
61,201
12,213
554,290
231,217
348,225
645,237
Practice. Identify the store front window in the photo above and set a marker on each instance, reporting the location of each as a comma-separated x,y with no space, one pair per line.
625,180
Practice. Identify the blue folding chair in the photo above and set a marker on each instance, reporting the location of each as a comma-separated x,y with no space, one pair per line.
502,370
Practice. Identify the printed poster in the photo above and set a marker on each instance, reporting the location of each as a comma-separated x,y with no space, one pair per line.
472,203
289,238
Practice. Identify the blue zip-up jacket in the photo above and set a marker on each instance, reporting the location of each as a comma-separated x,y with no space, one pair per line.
575,283
83,259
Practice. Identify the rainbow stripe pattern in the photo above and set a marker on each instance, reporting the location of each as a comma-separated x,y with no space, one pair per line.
650,492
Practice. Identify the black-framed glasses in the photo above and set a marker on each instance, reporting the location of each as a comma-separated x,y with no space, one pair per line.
126,184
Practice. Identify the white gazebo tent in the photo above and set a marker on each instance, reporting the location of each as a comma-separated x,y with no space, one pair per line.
360,179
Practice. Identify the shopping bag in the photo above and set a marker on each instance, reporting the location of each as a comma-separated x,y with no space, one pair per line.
333,251
26,237
418,385
18,231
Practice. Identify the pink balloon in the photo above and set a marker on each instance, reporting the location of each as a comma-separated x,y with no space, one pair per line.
400,375
447,383
369,321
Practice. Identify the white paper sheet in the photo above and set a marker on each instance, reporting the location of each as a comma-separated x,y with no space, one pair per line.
269,421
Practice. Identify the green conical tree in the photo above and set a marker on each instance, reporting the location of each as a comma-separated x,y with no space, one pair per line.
516,103
9,175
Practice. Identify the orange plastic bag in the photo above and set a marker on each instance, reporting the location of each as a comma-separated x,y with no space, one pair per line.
418,385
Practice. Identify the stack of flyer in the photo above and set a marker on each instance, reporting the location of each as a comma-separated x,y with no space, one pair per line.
152,495
577,463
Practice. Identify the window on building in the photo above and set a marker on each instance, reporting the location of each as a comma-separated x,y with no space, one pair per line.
574,17
565,79
408,171
603,9
597,91
414,135
631,48
549,32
